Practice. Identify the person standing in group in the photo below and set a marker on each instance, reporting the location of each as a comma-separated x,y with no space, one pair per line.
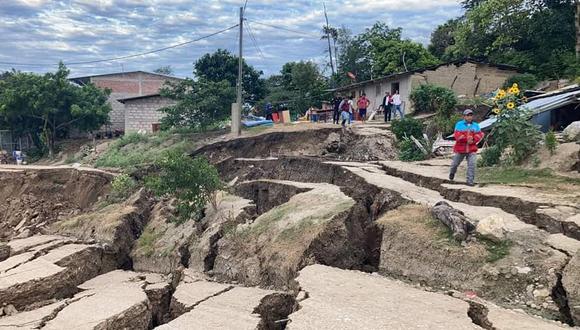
467,135
336,109
387,100
345,111
351,110
397,104
363,103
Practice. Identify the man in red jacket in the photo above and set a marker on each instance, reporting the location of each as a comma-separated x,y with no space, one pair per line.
467,136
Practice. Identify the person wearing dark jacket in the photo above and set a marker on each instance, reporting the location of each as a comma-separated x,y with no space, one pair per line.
387,106
467,135
336,109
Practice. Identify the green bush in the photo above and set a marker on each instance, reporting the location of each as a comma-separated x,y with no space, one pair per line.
517,132
551,142
407,127
409,151
122,187
489,157
524,81
446,125
434,99
193,182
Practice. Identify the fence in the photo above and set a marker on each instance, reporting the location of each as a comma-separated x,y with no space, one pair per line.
9,143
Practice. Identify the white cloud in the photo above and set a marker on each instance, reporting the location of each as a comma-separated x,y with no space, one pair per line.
43,31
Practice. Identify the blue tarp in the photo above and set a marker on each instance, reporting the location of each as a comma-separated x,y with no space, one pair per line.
253,121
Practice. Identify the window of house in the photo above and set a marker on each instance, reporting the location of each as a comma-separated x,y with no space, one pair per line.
378,90
155,127
394,87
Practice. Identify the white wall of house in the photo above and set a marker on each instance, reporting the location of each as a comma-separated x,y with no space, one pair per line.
376,91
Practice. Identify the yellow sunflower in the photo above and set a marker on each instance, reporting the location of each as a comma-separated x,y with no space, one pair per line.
515,85
496,111
511,105
501,94
514,91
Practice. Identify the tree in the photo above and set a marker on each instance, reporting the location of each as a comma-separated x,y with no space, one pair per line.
201,103
442,38
535,35
166,70
48,107
577,25
193,182
393,56
298,86
353,57
470,4
379,50
222,65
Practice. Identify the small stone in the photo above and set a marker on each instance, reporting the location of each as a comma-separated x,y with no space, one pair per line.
541,293
530,290
10,310
514,271
492,228
523,270
534,306
545,305
508,276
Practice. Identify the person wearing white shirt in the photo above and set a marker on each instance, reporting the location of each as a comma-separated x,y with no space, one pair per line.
397,104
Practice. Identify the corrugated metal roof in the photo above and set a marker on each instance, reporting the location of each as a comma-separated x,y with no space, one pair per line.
541,105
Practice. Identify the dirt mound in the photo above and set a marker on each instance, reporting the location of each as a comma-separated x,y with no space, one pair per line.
357,143
30,200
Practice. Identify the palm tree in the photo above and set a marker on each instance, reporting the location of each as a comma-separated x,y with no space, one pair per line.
326,35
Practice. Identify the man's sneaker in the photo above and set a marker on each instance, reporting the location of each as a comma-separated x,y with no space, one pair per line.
471,184
451,176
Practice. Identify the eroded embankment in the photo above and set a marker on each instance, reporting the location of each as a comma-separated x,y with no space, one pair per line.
356,144
31,200
522,271
550,213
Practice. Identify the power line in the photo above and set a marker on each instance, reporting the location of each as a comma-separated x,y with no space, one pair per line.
284,29
245,4
255,42
126,56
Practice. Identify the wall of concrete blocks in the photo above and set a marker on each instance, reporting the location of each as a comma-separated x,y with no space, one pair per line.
124,85
141,114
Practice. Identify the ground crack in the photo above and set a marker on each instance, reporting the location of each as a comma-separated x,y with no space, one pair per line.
54,313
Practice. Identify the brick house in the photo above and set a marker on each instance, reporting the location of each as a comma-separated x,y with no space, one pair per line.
125,85
141,112
468,78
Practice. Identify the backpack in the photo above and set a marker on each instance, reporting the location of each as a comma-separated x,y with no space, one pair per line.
345,106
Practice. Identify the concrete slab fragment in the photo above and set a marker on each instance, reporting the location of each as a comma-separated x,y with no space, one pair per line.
342,299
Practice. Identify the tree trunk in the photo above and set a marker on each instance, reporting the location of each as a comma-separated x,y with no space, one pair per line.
454,219
577,16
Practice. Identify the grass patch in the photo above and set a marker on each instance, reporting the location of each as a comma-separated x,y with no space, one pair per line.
443,233
496,251
516,175
146,242
133,150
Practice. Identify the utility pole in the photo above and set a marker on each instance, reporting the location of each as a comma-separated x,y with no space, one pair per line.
237,107
327,28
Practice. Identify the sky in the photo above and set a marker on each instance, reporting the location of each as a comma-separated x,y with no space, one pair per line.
39,33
